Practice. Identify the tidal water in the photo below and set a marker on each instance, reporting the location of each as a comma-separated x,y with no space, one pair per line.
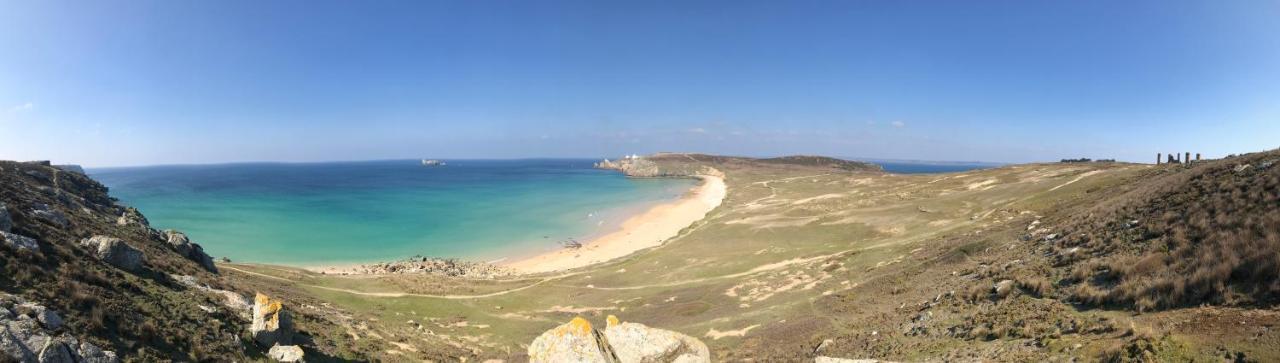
350,212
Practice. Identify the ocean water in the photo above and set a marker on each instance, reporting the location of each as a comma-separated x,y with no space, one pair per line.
348,212
930,168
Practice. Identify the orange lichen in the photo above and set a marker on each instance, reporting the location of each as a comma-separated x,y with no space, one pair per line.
611,321
580,326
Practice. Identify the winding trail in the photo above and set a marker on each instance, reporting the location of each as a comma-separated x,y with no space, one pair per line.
697,225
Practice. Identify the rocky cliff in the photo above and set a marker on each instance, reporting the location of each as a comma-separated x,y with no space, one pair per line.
86,279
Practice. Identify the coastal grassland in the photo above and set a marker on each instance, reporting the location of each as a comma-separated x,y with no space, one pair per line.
795,255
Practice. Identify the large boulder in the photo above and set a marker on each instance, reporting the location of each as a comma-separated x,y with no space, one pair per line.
114,251
271,325
19,242
191,251
6,222
634,342
286,353
577,341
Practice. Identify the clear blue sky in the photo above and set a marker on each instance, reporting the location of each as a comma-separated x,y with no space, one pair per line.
106,83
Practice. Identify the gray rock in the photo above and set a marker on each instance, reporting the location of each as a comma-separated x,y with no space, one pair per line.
235,301
13,347
71,168
90,353
47,318
48,214
59,350
6,222
286,353
191,251
114,251
20,242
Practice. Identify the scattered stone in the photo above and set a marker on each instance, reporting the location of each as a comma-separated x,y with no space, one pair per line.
20,242
26,336
44,212
114,251
1241,168
821,359
1003,288
286,353
271,324
437,266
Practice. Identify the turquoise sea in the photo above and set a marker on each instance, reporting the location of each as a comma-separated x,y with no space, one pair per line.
347,212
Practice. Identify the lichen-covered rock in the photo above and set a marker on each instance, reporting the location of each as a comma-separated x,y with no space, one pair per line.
19,242
634,342
271,324
48,214
6,222
286,353
577,341
191,251
114,251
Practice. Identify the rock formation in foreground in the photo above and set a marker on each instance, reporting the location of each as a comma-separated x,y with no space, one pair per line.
578,341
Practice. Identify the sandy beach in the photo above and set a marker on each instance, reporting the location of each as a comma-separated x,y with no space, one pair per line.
648,229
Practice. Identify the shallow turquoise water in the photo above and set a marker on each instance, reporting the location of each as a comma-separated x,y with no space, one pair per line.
326,213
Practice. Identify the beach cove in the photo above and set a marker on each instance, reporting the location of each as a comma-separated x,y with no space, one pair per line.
351,213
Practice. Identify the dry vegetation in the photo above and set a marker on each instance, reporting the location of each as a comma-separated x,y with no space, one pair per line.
1208,235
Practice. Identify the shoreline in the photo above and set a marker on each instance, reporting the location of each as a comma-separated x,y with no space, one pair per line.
646,229
649,229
